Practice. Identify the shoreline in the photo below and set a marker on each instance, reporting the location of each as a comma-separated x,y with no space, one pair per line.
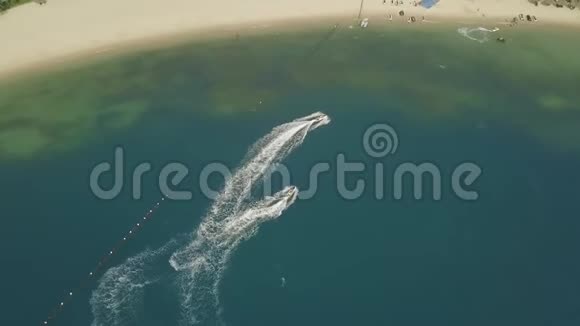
52,46
151,43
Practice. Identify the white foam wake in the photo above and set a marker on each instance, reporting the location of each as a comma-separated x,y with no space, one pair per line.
204,260
200,264
267,151
231,219
478,34
121,290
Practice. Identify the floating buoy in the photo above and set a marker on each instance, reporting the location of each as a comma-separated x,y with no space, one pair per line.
99,267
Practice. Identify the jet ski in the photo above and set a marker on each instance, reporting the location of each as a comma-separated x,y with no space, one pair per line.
287,196
316,120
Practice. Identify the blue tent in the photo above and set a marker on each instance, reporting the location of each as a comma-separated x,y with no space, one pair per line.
428,3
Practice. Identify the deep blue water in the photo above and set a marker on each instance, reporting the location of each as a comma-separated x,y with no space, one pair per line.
508,258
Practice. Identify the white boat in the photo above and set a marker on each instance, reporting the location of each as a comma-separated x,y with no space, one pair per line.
364,23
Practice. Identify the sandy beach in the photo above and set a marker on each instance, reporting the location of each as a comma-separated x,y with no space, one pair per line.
34,35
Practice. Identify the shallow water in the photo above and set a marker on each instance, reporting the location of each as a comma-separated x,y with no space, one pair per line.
505,259
436,74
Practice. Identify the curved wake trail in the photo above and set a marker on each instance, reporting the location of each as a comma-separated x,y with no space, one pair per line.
121,290
207,258
267,151
478,34
231,219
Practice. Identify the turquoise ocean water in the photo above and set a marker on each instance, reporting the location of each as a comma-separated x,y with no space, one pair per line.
508,258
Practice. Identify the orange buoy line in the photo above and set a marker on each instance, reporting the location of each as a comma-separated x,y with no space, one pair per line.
92,276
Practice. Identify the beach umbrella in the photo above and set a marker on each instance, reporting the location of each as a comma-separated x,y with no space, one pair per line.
428,3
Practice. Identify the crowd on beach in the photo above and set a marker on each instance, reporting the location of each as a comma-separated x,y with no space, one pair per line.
570,4
522,18
401,13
